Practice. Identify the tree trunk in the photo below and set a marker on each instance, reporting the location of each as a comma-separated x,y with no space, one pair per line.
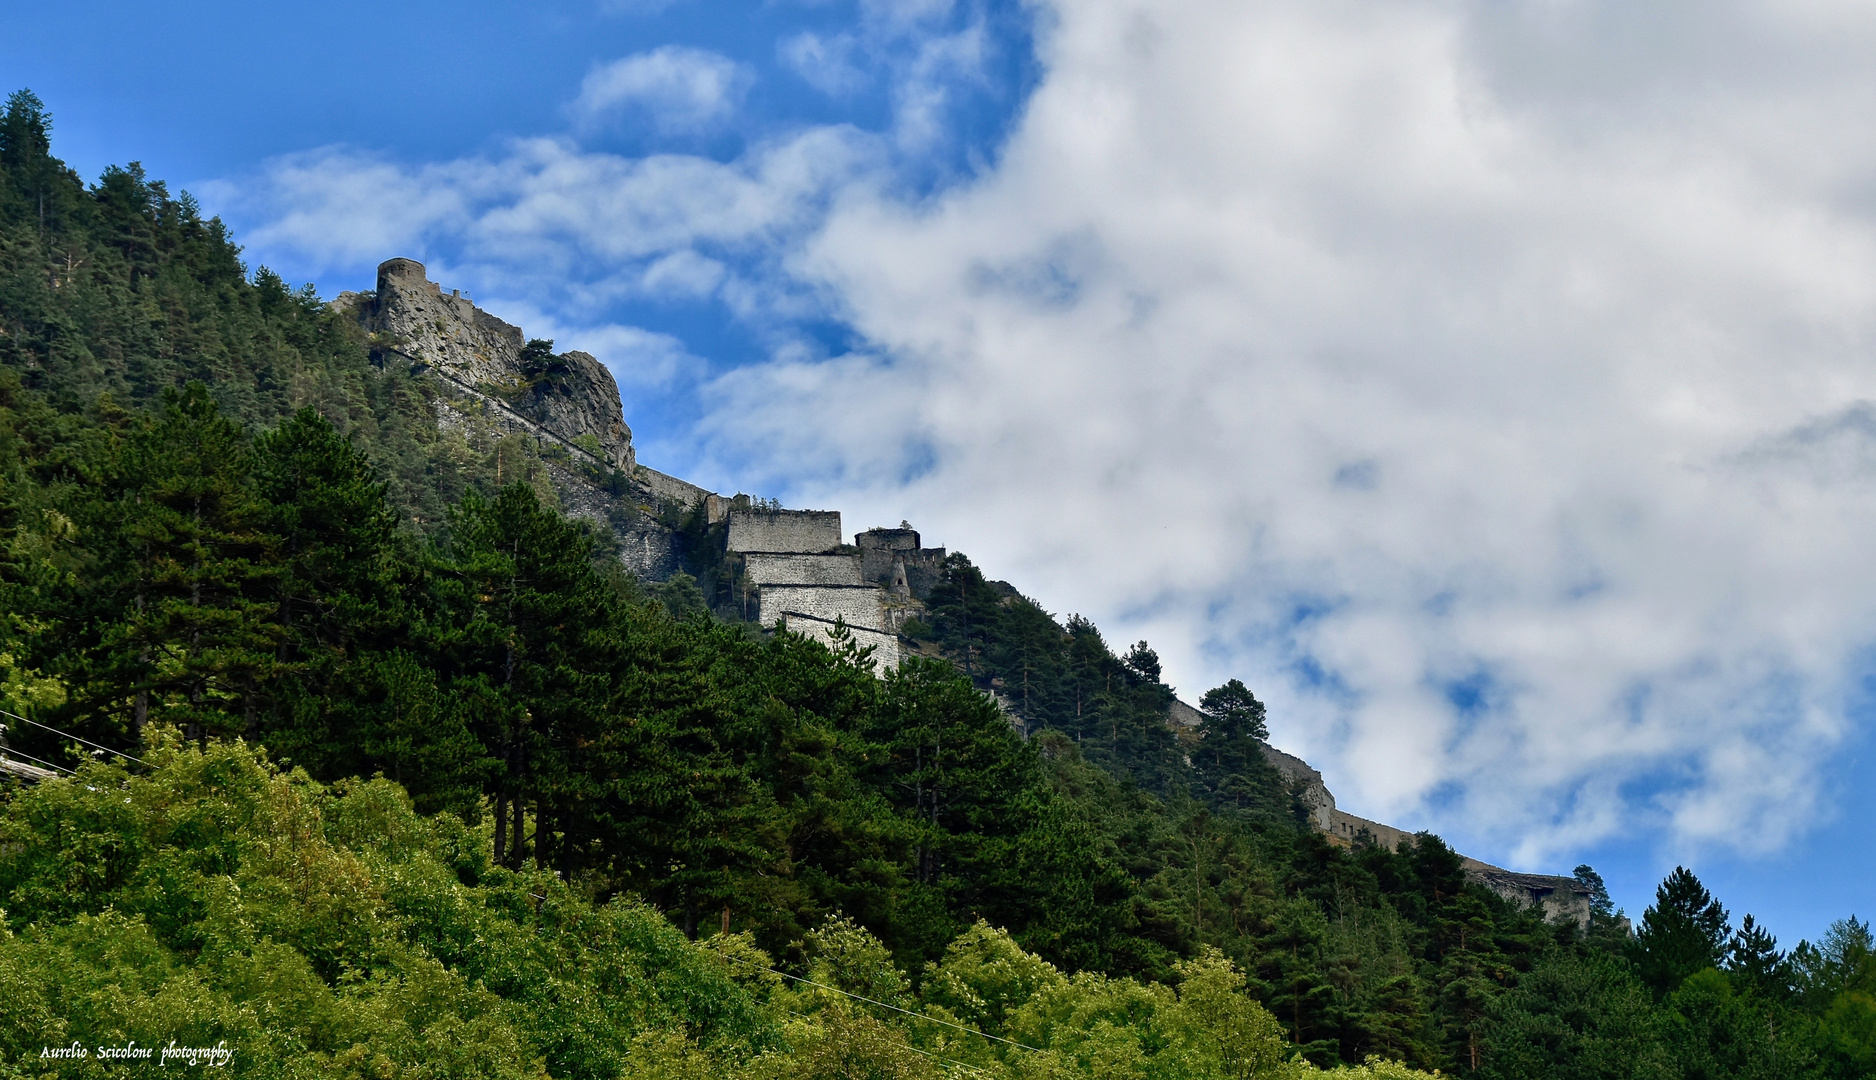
566,843
501,825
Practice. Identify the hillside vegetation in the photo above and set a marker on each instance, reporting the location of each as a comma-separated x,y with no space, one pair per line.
519,813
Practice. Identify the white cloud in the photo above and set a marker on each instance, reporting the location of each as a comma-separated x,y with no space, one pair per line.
569,229
681,89
1587,313
825,63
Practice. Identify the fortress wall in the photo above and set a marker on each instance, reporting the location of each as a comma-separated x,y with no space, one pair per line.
768,569
857,605
801,531
669,488
886,650
1562,899
879,547
1347,828
924,569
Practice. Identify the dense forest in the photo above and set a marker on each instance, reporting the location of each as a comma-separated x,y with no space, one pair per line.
372,762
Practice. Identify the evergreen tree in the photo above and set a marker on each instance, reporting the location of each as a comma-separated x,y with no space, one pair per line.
1229,763
1756,964
1683,932
1600,906
518,620
185,597
1576,1016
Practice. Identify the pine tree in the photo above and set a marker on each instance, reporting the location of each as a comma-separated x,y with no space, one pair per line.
1229,761
1755,962
1684,932
189,632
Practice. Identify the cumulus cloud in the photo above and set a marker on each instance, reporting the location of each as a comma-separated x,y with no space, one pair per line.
567,228
680,89
1487,381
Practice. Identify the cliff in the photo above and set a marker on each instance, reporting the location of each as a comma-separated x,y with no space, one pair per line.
568,403
570,398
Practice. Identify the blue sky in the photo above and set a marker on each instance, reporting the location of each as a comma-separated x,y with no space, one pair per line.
1486,384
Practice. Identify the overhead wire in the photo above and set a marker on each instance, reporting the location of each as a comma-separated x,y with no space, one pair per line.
72,737
21,753
936,1057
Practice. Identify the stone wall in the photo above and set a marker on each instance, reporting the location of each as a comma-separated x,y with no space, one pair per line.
896,557
802,531
765,569
1346,828
886,650
857,605
1561,898
879,547
671,489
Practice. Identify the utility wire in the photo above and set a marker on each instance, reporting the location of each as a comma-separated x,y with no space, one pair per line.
914,1049
71,736
883,1005
47,764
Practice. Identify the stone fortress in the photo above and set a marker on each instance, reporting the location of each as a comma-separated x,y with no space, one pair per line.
801,574
790,567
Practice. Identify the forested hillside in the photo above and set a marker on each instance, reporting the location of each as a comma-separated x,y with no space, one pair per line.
413,777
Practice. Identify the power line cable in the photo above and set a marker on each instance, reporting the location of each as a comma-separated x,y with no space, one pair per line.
914,1049
71,736
29,757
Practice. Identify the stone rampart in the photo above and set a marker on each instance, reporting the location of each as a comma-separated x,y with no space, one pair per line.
887,653
767,569
856,605
879,547
1346,828
806,532
1561,899
670,488
894,557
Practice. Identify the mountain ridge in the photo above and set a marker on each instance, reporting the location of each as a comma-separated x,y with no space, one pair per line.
794,564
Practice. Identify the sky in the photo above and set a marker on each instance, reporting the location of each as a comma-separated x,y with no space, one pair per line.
1485,382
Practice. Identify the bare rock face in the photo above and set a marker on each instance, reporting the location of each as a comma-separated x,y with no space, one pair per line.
570,398
578,399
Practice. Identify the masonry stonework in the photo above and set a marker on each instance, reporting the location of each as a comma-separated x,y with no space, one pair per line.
767,568
800,531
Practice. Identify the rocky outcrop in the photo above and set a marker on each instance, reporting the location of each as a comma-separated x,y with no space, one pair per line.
569,398
568,403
